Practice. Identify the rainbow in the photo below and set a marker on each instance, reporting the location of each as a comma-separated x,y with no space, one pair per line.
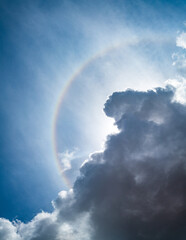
60,103
69,84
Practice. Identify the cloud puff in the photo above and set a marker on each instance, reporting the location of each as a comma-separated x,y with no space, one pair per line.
66,158
180,87
135,188
8,230
179,61
179,57
181,40
64,223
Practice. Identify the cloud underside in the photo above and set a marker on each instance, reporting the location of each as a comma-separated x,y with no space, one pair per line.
134,189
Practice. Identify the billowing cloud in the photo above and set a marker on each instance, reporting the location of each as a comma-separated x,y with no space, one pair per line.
8,230
134,189
64,223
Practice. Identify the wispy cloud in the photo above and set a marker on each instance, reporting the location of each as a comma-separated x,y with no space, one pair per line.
181,40
66,158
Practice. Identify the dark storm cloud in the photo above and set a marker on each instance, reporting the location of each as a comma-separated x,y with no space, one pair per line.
135,188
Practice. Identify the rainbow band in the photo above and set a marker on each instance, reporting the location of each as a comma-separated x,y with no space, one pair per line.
70,82
60,102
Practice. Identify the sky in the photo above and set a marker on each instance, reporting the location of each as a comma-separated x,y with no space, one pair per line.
92,107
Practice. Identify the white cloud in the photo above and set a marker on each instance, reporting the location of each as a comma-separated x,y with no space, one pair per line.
181,40
180,89
66,158
8,231
61,224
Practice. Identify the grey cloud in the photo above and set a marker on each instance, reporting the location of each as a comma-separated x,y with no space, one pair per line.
138,189
135,188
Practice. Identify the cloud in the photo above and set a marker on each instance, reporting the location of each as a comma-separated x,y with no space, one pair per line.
136,186
179,61
8,230
181,40
134,189
62,224
180,89
66,158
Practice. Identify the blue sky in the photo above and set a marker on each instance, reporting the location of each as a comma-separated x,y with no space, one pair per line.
42,45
